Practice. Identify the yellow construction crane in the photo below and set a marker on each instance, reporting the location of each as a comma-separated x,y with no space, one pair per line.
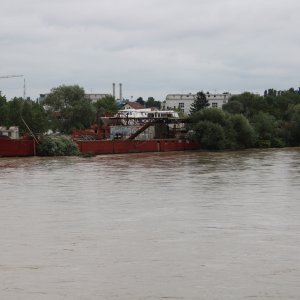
11,76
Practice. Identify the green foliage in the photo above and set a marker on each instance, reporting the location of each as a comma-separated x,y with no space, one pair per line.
250,104
140,100
64,97
210,135
57,146
243,134
264,125
214,115
12,113
199,103
234,107
151,102
263,144
3,111
295,125
216,129
71,107
107,104
275,116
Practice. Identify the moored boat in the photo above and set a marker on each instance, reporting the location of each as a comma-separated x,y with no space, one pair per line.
17,147
131,131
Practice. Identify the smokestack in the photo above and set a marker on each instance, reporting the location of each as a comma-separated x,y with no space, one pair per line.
121,96
114,90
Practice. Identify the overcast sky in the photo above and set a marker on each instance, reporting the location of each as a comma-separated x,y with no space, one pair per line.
153,47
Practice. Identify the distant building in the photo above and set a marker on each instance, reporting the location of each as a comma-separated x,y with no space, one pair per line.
133,105
184,101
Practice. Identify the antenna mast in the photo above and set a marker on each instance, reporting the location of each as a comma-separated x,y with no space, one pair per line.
24,89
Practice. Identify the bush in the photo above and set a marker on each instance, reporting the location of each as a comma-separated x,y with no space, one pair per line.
57,146
278,142
263,144
210,135
244,135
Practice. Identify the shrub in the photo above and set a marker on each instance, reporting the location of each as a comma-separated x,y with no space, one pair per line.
210,135
57,146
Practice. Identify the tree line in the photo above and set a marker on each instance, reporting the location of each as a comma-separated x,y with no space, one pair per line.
248,120
64,109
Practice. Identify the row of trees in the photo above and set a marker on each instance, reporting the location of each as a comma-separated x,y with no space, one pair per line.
250,120
19,112
247,120
66,108
151,102
63,110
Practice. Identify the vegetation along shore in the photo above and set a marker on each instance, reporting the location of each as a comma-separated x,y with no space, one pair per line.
247,121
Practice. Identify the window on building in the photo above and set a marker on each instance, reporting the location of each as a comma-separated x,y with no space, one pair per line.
181,106
214,104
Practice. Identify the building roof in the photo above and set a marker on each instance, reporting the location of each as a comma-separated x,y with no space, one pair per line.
135,105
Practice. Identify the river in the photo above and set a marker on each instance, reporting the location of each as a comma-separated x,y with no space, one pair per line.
182,225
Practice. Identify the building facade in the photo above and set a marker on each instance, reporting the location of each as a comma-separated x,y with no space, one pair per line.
184,101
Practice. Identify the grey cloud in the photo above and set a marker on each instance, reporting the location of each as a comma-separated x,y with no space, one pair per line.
154,47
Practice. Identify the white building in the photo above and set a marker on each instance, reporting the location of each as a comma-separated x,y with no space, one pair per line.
184,101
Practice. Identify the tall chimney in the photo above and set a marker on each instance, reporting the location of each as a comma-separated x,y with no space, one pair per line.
114,90
121,96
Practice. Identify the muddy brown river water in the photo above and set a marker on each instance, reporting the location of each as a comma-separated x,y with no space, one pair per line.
189,225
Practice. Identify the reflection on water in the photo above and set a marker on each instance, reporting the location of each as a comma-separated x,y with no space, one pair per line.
190,225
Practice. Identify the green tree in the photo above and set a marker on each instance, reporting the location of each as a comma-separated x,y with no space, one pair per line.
251,104
236,133
15,112
151,102
233,107
3,111
19,111
64,96
210,135
107,104
214,115
199,103
243,133
140,100
293,127
71,106
264,126
83,115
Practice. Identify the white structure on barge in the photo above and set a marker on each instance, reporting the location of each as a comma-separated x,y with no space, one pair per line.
184,101
11,132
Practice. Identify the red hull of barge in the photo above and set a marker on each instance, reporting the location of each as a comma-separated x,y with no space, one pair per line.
134,146
18,147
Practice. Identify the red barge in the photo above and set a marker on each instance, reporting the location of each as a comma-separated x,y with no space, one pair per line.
12,145
133,131
123,133
134,146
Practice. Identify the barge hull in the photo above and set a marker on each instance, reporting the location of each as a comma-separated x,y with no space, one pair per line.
18,147
134,146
